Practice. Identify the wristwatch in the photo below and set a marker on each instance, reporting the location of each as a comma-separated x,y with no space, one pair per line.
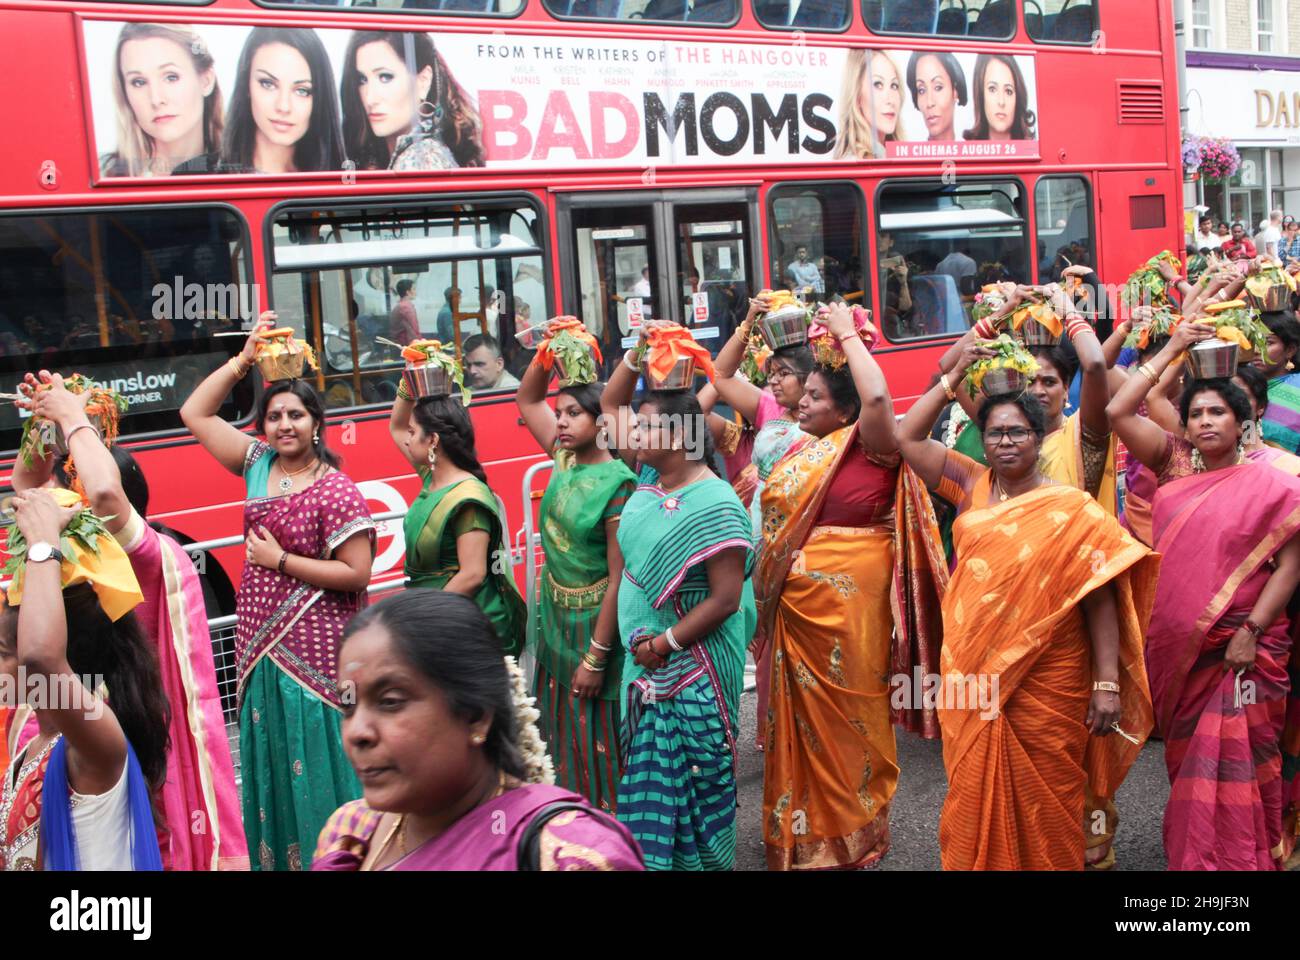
41,551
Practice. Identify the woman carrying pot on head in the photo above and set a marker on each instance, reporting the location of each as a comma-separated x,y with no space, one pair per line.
579,652
773,413
454,530
1219,628
1048,601
686,615
439,729
310,546
824,581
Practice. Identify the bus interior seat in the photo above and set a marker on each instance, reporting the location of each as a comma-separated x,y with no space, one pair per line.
812,14
1034,23
871,13
952,22
1074,24
911,16
994,20
712,11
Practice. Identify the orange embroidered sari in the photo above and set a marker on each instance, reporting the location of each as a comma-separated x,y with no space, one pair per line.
1017,676
826,579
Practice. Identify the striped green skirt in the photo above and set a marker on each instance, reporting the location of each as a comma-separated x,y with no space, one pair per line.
295,773
678,792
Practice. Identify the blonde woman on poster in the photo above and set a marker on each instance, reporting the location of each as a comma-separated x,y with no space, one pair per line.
284,117
938,86
1001,101
871,106
168,102
402,109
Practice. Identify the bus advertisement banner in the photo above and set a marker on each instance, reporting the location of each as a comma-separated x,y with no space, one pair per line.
229,99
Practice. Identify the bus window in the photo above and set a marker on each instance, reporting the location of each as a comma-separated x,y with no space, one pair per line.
986,19
455,8
133,298
938,243
802,14
1063,210
816,239
348,279
673,11
1061,21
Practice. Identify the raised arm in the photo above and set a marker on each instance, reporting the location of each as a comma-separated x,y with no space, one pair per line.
201,412
96,744
1144,439
399,420
537,414
876,422
616,400
1094,391
923,454
741,395
96,467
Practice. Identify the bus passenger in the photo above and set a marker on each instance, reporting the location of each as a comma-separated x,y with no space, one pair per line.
871,103
402,109
938,86
310,547
484,366
1001,101
283,117
169,107
404,324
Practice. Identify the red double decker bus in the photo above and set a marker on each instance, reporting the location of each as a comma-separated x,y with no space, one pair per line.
172,168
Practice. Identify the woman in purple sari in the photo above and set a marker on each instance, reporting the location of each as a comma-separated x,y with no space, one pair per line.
310,545
442,733
1220,638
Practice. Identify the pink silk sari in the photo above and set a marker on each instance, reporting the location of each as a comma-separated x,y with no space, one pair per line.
198,801
1221,732
488,837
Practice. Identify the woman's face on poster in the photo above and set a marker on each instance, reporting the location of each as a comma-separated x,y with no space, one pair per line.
389,92
935,97
279,84
999,100
163,87
882,96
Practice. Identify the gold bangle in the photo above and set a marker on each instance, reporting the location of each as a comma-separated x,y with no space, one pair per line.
947,386
1146,371
238,369
1106,686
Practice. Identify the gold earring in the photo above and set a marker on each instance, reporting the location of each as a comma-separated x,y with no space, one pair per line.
478,739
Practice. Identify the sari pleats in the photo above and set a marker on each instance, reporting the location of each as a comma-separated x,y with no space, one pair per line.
831,761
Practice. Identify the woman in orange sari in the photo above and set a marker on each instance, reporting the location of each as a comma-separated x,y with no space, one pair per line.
1042,655
824,581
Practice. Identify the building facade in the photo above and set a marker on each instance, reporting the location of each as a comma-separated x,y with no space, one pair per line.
1243,83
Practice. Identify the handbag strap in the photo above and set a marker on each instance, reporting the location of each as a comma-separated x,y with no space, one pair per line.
529,854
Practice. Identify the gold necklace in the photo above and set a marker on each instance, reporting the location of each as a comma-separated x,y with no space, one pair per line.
398,824
286,482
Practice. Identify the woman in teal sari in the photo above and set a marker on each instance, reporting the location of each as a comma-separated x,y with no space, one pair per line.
310,545
455,533
579,656
686,614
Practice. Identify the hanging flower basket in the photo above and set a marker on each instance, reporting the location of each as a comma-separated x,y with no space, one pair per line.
1213,159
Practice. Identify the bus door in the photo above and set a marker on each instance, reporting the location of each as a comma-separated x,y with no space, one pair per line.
682,255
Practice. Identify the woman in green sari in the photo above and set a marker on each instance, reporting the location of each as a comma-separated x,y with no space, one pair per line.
455,533
579,656
686,614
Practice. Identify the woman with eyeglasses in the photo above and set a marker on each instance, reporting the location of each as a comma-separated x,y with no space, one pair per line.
1043,620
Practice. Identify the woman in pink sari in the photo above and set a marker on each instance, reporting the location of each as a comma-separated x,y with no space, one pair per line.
199,791
442,735
1220,638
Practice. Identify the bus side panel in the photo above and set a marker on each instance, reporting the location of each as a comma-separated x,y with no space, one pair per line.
1140,213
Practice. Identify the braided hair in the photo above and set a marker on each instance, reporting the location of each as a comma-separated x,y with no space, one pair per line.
447,419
